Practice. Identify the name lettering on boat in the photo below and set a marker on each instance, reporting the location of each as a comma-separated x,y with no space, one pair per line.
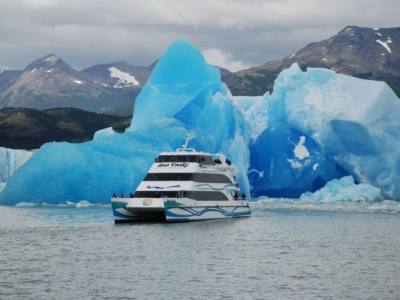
174,164
147,202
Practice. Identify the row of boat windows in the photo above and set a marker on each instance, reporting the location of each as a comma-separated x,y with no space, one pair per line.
196,195
201,159
198,177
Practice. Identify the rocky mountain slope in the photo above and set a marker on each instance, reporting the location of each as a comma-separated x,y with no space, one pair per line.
119,74
49,82
7,77
358,51
25,128
111,88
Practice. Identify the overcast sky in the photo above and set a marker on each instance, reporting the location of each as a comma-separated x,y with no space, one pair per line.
234,34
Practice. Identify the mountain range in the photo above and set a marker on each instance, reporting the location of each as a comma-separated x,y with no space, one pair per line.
358,51
49,82
30,96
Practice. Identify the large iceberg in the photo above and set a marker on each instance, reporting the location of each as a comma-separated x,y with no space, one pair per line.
348,126
315,127
183,94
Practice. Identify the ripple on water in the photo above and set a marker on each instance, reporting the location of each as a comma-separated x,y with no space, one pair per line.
280,253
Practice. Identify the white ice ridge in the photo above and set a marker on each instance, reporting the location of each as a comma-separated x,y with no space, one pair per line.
33,70
385,44
123,77
300,151
78,81
345,190
49,71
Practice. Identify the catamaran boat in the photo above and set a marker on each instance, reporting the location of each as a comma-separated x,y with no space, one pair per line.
184,185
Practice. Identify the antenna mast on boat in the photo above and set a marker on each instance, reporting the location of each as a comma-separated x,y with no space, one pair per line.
187,137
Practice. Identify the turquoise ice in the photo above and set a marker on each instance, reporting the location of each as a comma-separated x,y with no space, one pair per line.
10,161
315,127
183,94
349,126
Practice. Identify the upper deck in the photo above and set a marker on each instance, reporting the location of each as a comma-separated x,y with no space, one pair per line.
189,160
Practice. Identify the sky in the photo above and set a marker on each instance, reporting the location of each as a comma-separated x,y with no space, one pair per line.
233,34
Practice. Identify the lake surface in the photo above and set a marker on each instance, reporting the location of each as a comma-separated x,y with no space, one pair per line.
285,251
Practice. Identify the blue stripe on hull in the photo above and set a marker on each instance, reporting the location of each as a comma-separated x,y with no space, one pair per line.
191,213
185,213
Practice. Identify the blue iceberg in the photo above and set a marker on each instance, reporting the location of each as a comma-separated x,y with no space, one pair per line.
317,126
349,126
183,94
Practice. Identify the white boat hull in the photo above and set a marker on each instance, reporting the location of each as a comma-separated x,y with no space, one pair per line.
156,209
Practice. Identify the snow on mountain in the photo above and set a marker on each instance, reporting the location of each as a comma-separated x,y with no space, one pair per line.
51,58
49,82
385,44
120,75
124,78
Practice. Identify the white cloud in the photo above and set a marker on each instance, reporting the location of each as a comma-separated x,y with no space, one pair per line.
223,59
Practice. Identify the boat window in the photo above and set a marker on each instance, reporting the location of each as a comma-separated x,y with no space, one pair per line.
205,196
198,177
157,194
196,195
202,159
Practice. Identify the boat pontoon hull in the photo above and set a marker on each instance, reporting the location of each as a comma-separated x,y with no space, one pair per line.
129,210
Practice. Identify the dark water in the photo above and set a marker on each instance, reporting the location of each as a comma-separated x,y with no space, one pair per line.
70,253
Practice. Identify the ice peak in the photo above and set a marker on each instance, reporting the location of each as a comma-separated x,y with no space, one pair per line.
179,75
178,57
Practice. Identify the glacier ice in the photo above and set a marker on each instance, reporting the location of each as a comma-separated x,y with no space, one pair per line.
354,125
276,170
183,93
10,161
344,189
316,126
